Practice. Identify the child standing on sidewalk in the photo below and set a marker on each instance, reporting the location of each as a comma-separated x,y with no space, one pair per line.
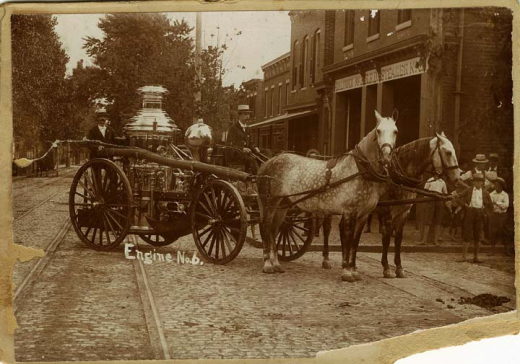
500,200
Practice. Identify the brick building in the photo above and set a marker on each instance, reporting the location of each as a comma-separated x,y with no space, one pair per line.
442,69
437,67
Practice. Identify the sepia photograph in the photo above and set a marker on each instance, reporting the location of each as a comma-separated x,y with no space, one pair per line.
258,184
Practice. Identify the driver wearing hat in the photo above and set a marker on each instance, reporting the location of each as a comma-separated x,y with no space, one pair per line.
239,136
101,132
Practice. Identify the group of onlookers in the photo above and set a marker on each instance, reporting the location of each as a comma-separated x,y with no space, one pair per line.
478,208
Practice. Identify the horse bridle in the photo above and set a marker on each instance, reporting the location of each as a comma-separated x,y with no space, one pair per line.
444,165
385,145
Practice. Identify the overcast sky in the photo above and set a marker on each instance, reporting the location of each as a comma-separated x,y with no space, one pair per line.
265,36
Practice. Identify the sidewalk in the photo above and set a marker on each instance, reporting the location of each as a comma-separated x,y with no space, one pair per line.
371,242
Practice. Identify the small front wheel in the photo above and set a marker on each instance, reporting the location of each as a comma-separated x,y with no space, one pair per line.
219,222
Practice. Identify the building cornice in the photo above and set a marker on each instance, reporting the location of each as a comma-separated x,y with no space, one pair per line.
378,53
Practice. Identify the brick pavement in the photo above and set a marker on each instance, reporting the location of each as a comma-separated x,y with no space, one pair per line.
87,305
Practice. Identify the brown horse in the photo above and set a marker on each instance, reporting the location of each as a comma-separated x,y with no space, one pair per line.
282,178
409,163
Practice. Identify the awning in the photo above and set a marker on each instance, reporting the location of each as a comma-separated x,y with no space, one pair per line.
283,118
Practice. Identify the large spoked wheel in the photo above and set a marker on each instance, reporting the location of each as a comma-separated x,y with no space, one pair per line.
100,204
295,235
219,222
155,239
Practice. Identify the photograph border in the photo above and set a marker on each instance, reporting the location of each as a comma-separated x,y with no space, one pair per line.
384,351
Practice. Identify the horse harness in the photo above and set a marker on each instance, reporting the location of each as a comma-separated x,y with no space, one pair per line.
365,169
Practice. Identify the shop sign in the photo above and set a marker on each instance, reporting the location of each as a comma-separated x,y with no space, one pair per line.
391,72
402,69
371,77
348,83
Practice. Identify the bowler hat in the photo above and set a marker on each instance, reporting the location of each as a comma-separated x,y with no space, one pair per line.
478,177
480,158
493,156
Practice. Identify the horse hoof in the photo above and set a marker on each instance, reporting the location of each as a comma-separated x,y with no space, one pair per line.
279,269
387,274
356,276
326,264
399,273
347,277
268,270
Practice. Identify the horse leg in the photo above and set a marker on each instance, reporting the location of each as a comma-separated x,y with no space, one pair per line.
267,212
277,221
359,224
347,226
327,222
386,238
399,272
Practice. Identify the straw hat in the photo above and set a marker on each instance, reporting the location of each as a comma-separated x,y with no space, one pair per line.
242,109
101,112
501,180
493,156
480,158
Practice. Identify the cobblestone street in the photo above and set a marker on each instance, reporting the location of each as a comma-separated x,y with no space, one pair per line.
81,304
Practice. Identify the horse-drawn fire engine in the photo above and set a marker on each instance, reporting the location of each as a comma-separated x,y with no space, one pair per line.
160,190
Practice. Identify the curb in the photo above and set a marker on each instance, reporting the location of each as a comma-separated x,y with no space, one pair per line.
404,248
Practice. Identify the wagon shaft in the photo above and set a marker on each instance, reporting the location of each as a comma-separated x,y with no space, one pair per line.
219,171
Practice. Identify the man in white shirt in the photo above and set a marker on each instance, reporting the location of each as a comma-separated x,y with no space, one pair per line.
500,201
477,202
433,211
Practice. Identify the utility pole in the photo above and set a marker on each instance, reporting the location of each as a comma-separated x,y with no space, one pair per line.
198,50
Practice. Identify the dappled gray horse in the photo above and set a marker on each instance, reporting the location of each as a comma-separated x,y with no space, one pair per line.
282,179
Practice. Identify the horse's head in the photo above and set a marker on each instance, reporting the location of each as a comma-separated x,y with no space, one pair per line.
386,134
443,157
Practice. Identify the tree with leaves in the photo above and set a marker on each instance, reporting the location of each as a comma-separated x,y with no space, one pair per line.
40,89
219,103
144,49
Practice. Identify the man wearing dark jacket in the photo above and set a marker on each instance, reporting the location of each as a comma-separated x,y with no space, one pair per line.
239,136
477,202
101,132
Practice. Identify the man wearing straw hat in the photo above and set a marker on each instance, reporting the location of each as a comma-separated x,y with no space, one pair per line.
101,132
497,220
479,166
240,137
477,201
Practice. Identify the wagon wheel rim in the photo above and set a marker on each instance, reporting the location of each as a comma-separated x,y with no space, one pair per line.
100,204
295,235
155,239
219,222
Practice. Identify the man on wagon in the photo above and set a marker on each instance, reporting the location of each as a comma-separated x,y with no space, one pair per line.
239,136
101,132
